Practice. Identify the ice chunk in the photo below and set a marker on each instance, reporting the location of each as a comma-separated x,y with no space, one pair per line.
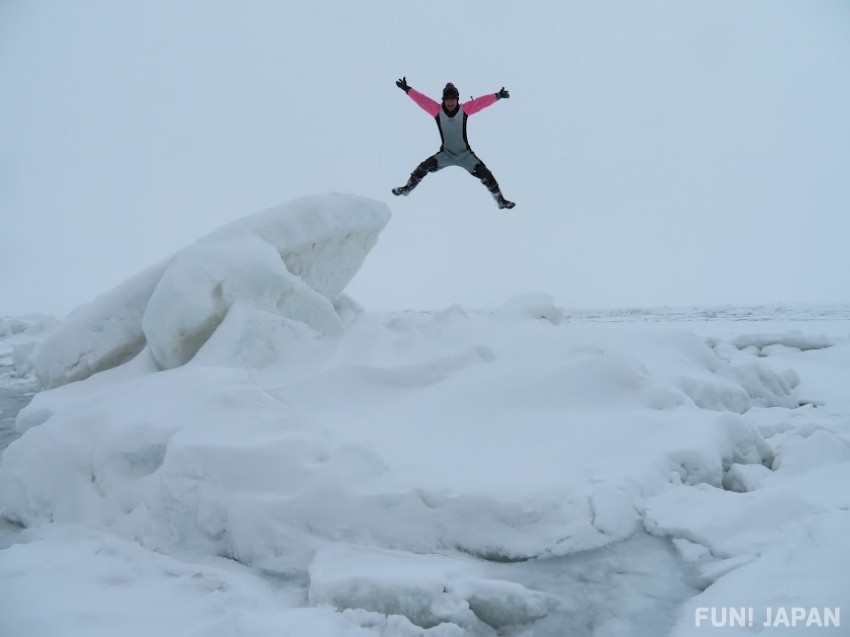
794,340
534,306
320,242
427,589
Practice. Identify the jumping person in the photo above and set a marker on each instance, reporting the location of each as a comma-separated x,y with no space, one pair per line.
454,151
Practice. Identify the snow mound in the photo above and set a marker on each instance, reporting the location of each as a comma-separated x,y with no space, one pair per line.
733,381
799,453
294,260
253,337
791,340
217,456
429,590
536,306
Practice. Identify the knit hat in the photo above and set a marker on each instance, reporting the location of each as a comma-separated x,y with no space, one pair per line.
450,91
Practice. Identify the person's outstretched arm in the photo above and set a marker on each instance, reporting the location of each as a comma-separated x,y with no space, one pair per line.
473,106
425,103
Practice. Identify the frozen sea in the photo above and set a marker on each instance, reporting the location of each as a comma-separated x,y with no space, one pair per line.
365,582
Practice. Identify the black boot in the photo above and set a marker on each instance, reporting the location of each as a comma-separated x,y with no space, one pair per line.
501,201
483,173
403,190
427,166
410,185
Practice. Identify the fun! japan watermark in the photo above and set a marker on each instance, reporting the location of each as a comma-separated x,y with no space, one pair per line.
767,617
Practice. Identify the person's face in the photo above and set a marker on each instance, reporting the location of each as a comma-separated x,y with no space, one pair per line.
451,102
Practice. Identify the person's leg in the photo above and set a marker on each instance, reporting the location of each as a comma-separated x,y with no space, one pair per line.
418,174
486,177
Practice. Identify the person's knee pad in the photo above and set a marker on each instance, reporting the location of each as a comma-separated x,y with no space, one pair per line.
427,166
483,173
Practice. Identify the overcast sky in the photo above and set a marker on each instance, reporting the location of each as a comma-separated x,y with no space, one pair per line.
660,152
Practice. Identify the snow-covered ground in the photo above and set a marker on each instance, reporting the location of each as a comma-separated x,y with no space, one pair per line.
248,452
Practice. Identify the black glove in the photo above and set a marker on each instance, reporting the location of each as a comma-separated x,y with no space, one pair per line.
502,93
402,84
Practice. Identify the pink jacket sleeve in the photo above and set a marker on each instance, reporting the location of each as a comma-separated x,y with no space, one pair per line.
473,106
426,103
